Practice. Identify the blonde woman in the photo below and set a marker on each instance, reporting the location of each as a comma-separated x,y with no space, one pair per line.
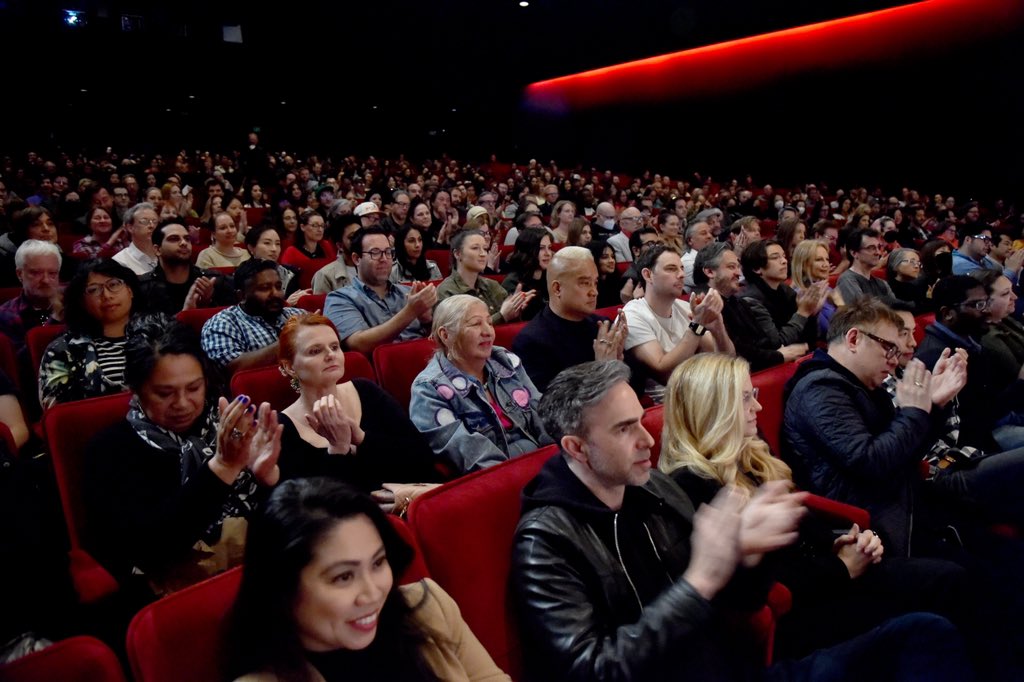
810,265
839,586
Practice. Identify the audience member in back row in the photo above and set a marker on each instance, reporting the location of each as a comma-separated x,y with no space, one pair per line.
617,578
609,281
30,223
663,329
224,252
263,241
474,402
864,251
903,272
140,256
411,263
37,266
354,430
88,359
567,332
469,259
339,272
175,284
245,335
311,251
841,585
165,488
372,310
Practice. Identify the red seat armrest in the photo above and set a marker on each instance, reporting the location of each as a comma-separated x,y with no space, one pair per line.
92,582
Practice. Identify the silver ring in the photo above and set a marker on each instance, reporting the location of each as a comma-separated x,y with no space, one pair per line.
603,341
236,434
918,383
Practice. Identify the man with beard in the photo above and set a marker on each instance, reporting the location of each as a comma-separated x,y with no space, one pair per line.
175,284
245,335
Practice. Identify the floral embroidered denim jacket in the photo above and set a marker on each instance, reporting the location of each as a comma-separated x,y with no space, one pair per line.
451,409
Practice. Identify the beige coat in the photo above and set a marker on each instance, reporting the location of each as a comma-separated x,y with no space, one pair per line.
455,654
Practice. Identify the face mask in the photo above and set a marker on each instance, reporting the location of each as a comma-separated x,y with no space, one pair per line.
608,223
834,205
779,205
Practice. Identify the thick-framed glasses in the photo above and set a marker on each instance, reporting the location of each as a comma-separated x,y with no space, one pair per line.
378,254
111,285
891,349
979,304
751,395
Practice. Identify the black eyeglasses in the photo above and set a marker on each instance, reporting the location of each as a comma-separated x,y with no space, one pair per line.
377,254
891,349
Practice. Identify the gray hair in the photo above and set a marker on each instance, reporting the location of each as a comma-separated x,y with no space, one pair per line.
31,248
397,193
709,257
708,212
575,390
340,207
895,258
691,229
450,314
129,214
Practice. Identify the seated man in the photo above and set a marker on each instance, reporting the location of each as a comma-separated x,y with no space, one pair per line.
864,252
139,222
841,434
633,281
784,317
663,330
972,252
718,269
37,265
341,272
372,310
697,236
245,335
567,332
175,284
617,578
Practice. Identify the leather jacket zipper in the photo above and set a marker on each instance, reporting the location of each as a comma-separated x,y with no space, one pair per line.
615,529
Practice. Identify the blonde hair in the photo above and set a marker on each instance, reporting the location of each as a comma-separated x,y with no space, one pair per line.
704,425
450,314
803,261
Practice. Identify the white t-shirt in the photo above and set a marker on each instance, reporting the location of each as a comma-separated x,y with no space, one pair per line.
645,325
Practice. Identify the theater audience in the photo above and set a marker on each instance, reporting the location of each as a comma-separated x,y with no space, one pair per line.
103,241
88,360
339,272
353,431
321,556
474,402
698,235
469,260
167,487
245,335
784,316
663,329
527,270
264,242
175,284
37,267
35,223
224,252
609,281
567,332
974,248
311,251
140,255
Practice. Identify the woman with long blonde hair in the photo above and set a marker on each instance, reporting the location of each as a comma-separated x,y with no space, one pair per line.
811,264
710,440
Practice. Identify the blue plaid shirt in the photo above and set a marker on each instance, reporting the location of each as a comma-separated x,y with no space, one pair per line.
358,307
233,332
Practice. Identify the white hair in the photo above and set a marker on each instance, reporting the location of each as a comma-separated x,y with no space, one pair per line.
35,247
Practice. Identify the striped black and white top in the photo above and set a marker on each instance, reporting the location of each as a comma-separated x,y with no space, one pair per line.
110,356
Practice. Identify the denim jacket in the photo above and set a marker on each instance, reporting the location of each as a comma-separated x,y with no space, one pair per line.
450,408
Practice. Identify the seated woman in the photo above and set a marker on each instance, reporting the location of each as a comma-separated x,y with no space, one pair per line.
811,264
609,281
355,430
103,241
320,599
311,251
167,486
88,360
469,259
903,272
474,402
264,242
562,215
411,264
224,252
840,584
528,266
579,233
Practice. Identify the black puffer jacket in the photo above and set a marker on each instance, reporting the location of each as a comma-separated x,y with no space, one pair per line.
600,593
849,443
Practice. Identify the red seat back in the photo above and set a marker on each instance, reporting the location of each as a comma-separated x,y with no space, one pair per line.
610,312
497,278
267,384
77,659
465,529
38,338
398,364
8,293
197,317
254,216
312,302
504,334
654,421
9,360
226,270
922,323
181,636
443,258
770,383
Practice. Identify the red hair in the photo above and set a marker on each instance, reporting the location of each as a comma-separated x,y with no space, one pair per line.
286,347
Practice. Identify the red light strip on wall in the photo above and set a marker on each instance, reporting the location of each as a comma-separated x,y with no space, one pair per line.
736,65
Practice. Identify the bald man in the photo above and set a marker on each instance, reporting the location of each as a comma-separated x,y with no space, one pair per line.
630,220
567,332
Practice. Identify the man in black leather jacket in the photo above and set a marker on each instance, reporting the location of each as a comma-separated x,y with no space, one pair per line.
616,577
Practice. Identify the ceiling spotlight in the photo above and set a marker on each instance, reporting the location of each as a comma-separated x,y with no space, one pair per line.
74,18
523,3
191,96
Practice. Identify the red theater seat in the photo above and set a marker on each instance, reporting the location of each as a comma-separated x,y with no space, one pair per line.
181,637
505,334
69,427
610,312
77,659
9,360
197,317
38,338
465,529
267,384
312,302
770,383
443,258
8,293
922,323
653,421
398,364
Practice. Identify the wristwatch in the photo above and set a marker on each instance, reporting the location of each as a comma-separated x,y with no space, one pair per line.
698,329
